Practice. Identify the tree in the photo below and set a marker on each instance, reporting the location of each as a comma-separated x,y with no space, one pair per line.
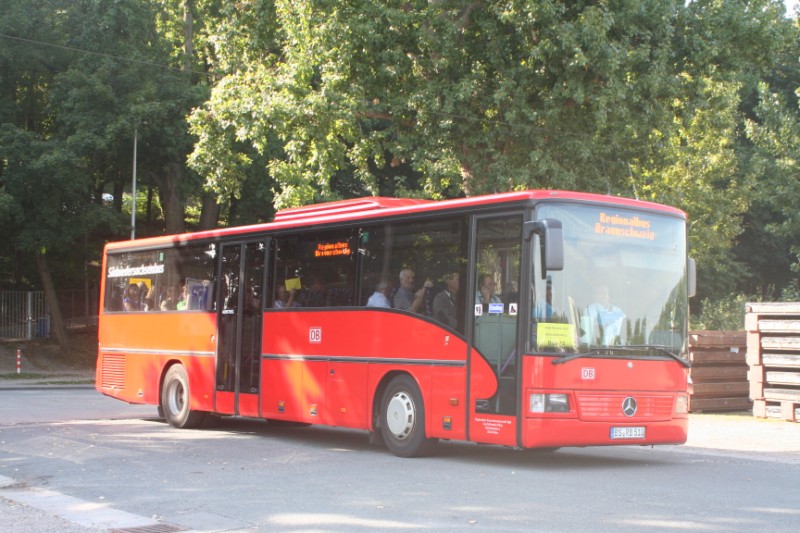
777,136
481,95
743,45
72,95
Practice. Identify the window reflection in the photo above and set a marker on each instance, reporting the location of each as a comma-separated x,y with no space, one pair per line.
623,284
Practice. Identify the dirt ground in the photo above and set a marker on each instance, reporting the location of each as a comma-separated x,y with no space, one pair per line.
42,357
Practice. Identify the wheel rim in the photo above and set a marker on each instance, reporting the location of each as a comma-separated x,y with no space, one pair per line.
401,415
175,398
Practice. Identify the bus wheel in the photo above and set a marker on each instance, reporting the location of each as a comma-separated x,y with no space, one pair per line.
175,400
402,419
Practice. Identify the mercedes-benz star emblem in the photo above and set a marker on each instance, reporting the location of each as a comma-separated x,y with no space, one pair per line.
629,406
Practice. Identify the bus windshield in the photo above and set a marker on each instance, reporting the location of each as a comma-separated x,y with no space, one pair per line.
623,289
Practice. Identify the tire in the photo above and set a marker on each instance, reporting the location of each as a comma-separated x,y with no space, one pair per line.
402,419
175,400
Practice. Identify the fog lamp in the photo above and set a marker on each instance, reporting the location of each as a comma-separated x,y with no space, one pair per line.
682,405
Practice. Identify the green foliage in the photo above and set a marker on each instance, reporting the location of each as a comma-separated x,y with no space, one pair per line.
472,96
722,314
791,293
277,103
777,138
76,84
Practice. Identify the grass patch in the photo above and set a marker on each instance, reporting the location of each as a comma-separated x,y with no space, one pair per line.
22,375
68,382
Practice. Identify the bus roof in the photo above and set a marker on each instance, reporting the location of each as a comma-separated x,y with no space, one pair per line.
376,206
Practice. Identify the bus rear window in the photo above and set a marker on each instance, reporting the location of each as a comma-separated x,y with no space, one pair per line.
171,279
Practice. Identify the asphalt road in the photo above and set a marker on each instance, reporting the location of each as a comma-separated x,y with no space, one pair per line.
72,460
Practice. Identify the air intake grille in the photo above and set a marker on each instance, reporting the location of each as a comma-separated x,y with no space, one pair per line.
113,371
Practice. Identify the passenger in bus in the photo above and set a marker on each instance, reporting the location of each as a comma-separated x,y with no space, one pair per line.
149,300
169,300
285,299
444,305
543,309
317,294
380,298
406,298
143,288
486,293
606,319
130,299
183,299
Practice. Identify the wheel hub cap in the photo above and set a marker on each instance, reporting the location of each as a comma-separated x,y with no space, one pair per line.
400,415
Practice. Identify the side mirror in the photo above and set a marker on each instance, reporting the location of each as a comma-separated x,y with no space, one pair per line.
692,275
551,242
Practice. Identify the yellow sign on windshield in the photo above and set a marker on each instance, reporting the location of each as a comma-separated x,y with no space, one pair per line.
553,335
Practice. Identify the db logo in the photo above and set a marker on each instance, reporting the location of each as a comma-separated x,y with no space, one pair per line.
587,373
315,335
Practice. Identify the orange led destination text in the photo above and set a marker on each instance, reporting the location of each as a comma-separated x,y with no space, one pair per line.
622,226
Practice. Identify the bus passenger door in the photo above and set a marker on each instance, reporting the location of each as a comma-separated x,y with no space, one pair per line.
494,310
239,322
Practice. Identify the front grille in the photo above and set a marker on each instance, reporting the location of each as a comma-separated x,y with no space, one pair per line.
609,407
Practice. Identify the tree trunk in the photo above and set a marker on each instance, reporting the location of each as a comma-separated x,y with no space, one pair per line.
149,216
188,35
171,201
209,215
56,320
118,188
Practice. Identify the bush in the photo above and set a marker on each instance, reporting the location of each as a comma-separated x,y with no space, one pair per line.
725,314
791,293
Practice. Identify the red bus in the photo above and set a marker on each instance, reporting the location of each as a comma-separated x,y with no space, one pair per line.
533,319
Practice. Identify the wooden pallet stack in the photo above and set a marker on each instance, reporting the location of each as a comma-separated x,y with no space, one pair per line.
719,371
773,353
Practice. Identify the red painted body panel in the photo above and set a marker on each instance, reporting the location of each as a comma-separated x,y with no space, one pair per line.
343,366
597,388
556,432
605,374
141,345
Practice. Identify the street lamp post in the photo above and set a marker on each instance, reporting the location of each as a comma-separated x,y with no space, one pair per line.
133,193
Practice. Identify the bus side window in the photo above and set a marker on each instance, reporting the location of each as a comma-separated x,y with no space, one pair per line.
436,252
324,263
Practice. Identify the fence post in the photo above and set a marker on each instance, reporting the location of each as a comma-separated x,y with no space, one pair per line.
29,314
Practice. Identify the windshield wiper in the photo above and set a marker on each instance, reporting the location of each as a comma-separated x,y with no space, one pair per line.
664,351
622,350
590,353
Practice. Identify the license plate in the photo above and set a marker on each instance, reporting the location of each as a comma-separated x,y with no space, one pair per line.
627,432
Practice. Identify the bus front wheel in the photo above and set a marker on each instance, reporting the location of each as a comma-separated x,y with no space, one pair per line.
403,419
175,400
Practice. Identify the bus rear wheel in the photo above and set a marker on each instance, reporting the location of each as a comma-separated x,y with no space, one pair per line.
175,400
402,419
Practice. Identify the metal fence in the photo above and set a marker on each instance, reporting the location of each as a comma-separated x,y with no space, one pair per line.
26,314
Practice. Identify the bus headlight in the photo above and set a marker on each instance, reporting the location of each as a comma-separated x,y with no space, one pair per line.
549,403
682,405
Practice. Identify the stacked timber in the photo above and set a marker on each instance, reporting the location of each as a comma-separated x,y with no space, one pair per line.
773,353
719,371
